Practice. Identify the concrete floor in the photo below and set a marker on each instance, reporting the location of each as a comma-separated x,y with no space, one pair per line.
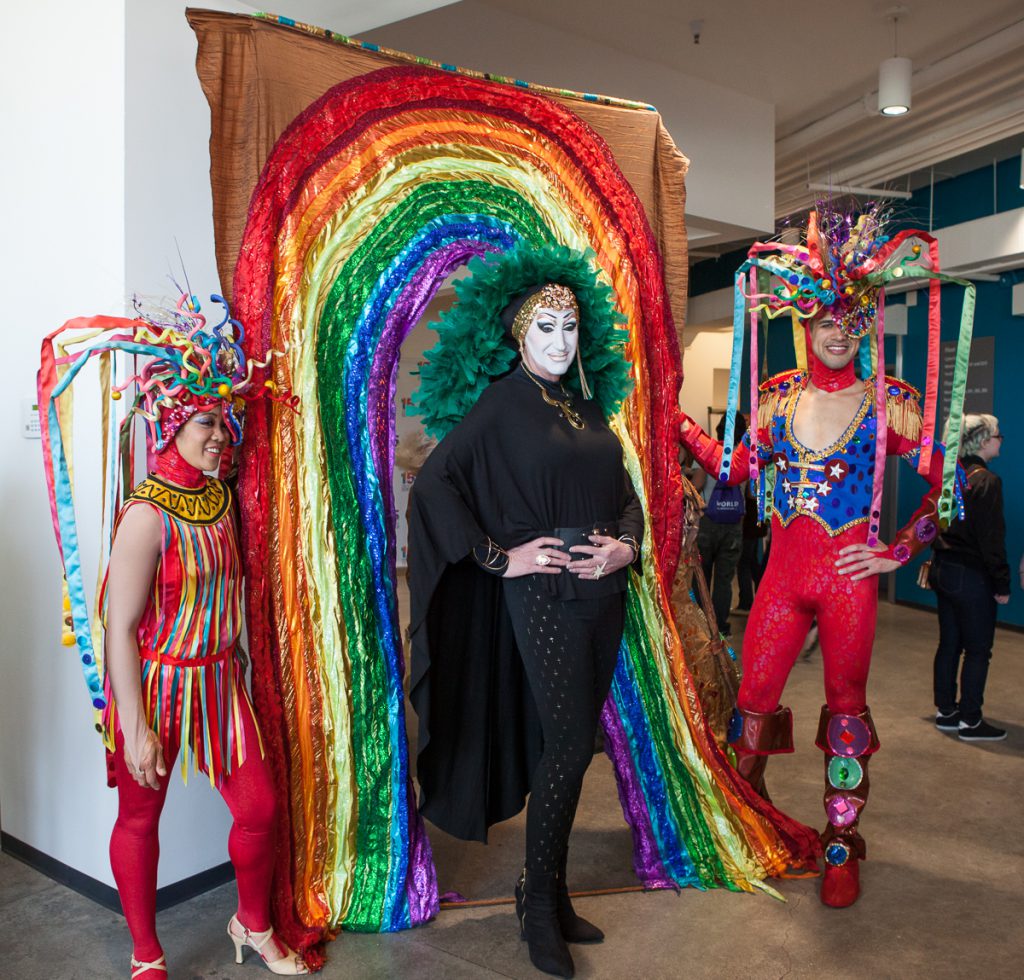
942,894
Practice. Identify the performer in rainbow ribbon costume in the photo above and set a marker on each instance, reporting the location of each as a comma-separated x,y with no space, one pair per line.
817,453
171,600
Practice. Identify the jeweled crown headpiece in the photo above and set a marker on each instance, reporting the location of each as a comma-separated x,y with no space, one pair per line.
476,344
831,270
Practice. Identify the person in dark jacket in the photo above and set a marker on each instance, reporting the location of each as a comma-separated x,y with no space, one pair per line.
720,536
970,576
751,566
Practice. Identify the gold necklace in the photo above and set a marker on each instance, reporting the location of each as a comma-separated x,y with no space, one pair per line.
564,407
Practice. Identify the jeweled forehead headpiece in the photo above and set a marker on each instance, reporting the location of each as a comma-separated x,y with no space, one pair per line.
552,296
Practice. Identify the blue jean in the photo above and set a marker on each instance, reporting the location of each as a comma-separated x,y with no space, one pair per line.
749,571
720,546
967,625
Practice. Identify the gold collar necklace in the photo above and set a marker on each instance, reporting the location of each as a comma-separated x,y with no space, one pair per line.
564,405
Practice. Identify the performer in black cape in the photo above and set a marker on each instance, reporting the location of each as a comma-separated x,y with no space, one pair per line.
523,523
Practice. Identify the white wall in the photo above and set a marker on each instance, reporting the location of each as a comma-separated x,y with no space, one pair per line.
710,349
62,70
995,242
169,206
109,170
729,137
167,191
96,217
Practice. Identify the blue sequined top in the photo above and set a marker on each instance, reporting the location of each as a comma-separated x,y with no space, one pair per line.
832,486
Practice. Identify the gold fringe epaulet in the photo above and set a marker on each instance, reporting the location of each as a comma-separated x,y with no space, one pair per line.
903,408
773,392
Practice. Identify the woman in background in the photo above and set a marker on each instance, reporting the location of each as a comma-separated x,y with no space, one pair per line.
971,577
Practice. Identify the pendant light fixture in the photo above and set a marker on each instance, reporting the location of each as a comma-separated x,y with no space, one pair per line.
894,78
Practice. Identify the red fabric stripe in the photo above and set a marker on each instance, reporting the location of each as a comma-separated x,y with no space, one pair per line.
166,660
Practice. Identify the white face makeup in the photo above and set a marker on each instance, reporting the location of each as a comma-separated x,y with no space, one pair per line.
202,439
550,342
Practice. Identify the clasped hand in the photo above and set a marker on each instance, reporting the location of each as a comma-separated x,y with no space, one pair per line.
604,556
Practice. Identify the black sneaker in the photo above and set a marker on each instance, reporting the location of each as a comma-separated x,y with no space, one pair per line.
948,722
982,731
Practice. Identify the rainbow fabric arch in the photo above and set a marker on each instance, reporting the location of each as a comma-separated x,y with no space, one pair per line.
370,198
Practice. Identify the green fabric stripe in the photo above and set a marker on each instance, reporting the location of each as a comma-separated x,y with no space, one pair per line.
353,283
682,798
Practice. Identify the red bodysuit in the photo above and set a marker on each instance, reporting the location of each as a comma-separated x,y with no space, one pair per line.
820,505
195,700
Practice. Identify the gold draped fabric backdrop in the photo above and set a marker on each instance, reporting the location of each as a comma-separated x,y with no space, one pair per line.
348,183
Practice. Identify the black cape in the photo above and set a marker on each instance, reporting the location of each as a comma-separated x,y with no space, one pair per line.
512,470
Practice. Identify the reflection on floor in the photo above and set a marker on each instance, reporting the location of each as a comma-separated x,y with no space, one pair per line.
942,889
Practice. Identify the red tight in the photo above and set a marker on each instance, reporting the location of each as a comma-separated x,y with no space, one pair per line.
135,847
801,583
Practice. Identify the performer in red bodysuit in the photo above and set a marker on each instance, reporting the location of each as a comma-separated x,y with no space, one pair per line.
172,600
818,430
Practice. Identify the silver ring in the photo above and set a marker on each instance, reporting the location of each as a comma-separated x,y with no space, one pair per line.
543,559
599,571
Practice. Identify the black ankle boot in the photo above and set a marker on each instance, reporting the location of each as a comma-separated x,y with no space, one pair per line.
538,924
575,929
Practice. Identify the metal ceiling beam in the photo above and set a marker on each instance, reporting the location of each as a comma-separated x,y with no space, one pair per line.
990,50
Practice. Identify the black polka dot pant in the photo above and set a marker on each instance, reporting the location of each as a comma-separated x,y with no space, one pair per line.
569,650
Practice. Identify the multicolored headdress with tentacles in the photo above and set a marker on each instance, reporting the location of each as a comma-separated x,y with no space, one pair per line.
194,368
830,270
188,367
842,267
474,348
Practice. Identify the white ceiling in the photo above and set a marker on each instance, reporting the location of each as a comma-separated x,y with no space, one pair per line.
807,58
817,63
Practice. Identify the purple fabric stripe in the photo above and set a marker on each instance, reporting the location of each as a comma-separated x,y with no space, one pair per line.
646,861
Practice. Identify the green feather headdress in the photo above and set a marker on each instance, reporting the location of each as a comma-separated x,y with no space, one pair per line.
473,349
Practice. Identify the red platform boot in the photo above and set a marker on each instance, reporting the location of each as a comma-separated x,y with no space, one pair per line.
848,742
